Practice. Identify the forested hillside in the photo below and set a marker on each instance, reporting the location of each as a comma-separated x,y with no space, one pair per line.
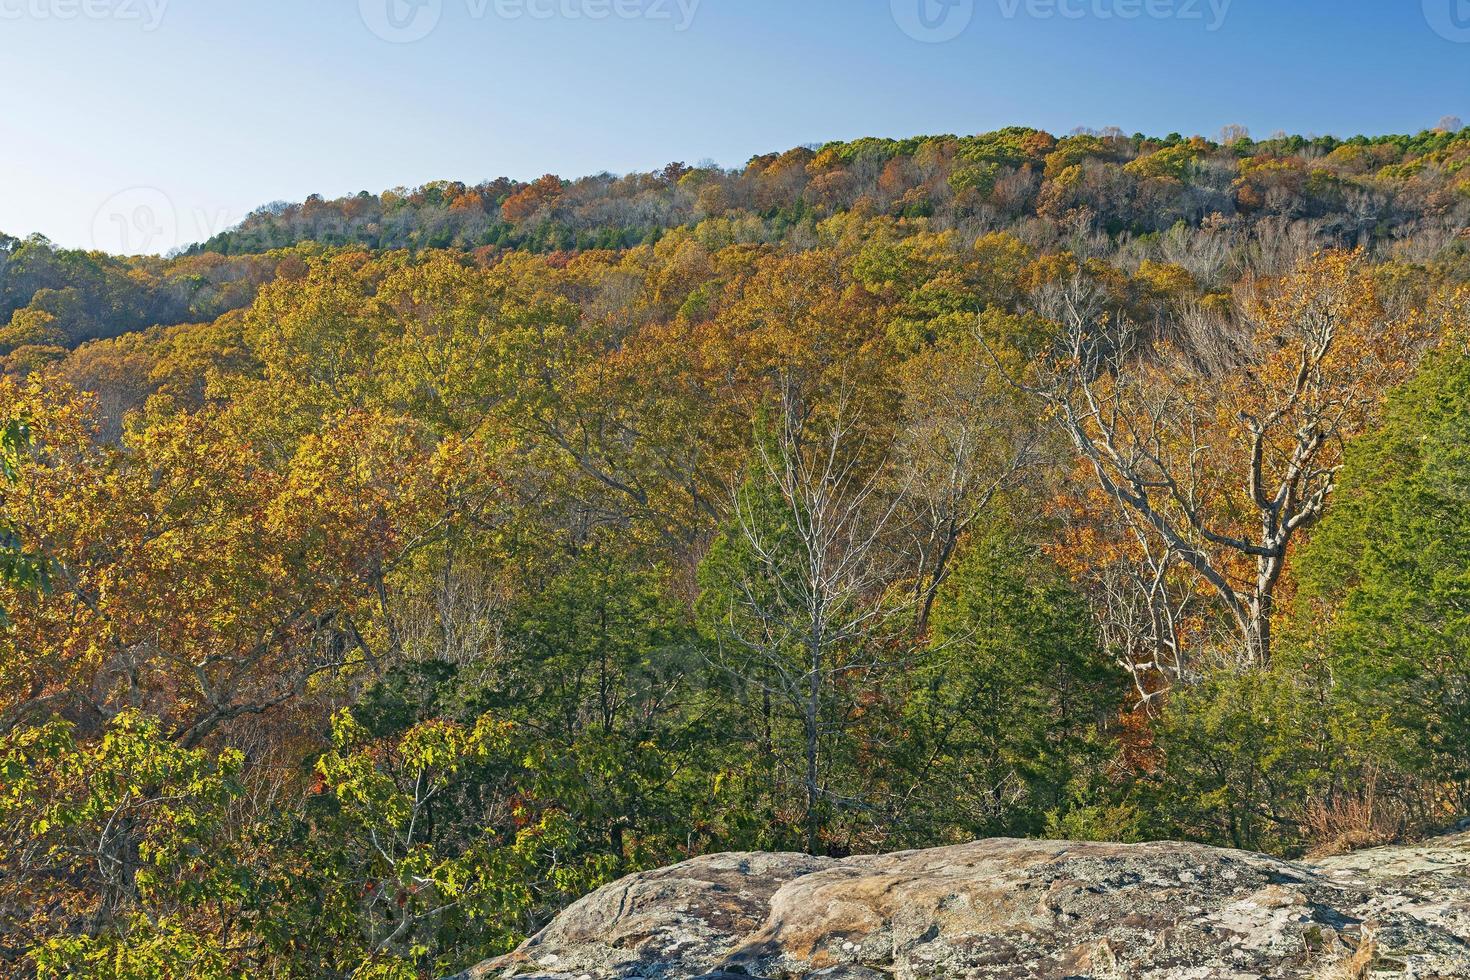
386,573
1374,192
1358,189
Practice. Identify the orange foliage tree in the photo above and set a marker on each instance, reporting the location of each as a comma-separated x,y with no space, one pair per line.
1217,474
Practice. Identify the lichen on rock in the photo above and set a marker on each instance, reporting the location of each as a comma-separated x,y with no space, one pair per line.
1017,909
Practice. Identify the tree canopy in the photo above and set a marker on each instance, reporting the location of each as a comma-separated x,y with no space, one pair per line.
387,573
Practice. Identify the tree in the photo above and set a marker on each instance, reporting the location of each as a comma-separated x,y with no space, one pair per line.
604,665
113,849
532,198
963,440
798,590
1233,133
1385,586
1225,471
1011,704
401,880
21,567
196,575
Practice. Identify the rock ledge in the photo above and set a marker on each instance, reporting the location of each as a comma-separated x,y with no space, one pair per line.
1020,909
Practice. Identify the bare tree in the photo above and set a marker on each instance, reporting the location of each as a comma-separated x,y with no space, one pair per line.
1223,473
1233,133
1143,608
812,603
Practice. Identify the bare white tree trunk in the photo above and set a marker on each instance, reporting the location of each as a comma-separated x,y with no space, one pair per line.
819,604
1154,445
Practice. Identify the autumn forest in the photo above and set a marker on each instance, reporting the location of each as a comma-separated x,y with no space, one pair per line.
387,572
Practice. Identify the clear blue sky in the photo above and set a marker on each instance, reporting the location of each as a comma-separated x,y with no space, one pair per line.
217,106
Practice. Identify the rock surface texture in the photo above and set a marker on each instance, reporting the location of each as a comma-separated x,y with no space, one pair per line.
1020,909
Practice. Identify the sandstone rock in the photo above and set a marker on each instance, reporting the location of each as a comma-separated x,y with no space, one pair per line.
1017,909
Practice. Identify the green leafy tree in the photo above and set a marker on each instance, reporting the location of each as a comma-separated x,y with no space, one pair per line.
1012,707
1238,754
608,672
113,848
1391,566
411,884
20,567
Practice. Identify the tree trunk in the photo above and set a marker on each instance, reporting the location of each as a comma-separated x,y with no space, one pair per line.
813,790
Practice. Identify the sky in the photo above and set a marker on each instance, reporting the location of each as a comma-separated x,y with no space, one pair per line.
143,125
